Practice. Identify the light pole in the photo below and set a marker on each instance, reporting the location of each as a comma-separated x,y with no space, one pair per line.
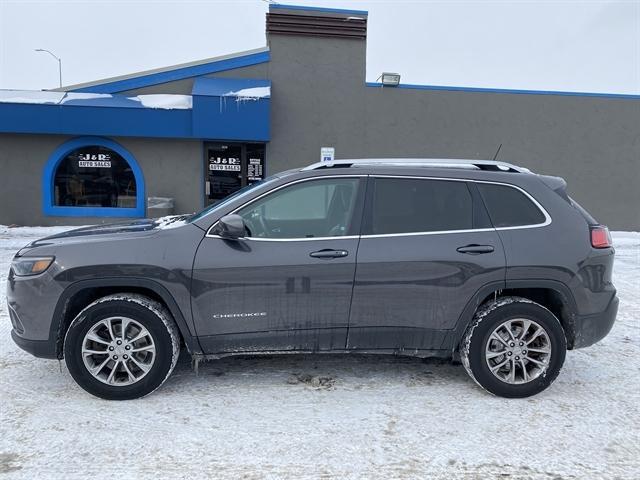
57,58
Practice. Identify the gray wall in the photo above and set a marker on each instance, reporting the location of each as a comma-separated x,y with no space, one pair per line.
171,168
591,142
185,86
319,99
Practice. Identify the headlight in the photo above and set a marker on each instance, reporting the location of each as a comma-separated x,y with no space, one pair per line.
23,266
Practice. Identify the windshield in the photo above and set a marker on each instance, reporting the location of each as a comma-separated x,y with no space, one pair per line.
239,193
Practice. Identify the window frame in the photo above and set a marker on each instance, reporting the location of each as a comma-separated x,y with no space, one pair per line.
364,204
49,207
356,220
547,217
475,196
369,210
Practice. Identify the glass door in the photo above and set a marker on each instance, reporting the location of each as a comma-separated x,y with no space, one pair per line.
231,166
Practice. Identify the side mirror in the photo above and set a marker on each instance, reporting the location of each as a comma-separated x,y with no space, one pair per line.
231,227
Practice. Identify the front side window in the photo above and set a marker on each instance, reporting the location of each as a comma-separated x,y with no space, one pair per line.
407,205
94,176
509,207
310,209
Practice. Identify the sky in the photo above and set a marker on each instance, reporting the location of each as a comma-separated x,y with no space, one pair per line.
580,46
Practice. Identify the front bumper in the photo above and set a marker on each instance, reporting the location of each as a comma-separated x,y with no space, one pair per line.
31,302
589,329
39,348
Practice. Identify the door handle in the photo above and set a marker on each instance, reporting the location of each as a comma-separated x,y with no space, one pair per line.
328,253
476,249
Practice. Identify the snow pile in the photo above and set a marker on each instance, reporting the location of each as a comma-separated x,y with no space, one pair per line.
348,416
71,96
250,94
29,96
171,221
162,101
165,101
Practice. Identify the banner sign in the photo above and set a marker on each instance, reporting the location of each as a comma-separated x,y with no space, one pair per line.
94,160
219,164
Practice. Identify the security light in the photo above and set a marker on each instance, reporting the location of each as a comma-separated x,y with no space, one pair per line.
390,79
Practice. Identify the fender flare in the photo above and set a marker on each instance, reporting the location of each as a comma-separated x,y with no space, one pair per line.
56,333
470,309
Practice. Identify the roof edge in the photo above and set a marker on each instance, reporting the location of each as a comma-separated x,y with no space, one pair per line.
174,72
279,6
506,90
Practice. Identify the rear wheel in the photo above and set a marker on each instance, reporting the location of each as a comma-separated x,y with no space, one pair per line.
122,346
514,347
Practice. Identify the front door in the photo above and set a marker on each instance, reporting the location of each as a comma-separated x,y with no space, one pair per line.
427,247
288,284
231,166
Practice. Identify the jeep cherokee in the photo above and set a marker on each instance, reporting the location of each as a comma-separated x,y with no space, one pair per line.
477,260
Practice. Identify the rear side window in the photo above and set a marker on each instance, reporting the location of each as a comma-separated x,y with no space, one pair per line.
407,205
509,207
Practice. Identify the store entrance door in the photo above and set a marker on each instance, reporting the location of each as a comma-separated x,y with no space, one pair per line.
231,166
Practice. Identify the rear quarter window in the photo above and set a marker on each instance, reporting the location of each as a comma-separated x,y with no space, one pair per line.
406,205
509,207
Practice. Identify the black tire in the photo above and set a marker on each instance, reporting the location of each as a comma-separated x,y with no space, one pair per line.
147,312
488,318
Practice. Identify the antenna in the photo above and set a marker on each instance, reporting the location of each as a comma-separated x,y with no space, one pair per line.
497,152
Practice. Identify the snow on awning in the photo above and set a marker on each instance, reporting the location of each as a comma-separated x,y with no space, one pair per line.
27,96
252,88
165,101
156,115
233,101
255,93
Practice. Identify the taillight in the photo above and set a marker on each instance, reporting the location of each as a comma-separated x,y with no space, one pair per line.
600,237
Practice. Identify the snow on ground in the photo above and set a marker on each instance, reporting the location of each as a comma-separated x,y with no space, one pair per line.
328,416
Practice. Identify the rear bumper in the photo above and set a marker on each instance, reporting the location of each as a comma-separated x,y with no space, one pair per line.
589,329
38,348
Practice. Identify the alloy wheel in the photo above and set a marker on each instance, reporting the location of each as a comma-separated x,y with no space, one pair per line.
118,351
518,351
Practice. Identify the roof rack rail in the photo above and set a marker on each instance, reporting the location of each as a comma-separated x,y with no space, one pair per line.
491,165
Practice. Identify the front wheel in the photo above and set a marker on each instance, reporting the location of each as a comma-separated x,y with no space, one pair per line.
122,346
514,347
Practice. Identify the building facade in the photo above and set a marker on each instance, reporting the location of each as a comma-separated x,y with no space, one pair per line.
196,132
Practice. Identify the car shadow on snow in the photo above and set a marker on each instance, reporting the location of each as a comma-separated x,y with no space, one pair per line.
320,372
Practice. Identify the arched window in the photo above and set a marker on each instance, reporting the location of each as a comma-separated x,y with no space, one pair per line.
93,177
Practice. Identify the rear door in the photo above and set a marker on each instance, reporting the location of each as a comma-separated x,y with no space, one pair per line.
287,286
427,247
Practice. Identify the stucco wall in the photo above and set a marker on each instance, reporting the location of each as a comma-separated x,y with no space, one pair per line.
185,86
171,168
319,99
594,143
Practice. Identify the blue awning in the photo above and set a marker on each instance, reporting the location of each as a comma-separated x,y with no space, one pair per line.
219,108
224,106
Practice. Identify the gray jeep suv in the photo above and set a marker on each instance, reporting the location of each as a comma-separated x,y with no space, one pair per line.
478,260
